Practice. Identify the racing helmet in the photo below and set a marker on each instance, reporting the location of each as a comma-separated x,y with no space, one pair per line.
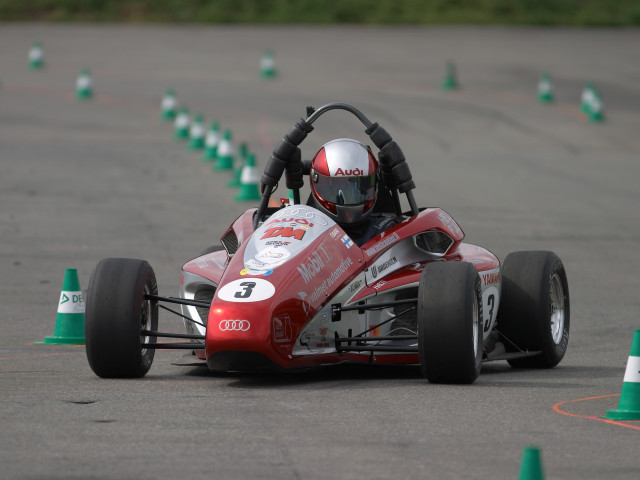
343,179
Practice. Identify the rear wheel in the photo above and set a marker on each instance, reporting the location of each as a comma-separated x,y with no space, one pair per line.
534,311
116,314
449,325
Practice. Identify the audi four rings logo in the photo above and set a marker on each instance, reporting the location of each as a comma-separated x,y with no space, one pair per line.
234,325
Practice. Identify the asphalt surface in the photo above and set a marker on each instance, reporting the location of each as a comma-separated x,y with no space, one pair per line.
80,181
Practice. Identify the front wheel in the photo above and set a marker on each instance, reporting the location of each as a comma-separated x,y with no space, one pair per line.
534,311
449,326
117,313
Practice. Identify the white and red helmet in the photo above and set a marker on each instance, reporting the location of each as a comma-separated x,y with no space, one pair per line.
344,180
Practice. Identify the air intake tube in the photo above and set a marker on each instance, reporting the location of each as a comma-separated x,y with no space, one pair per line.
286,156
395,170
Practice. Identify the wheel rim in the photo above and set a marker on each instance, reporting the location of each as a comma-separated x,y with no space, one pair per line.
476,320
145,318
556,300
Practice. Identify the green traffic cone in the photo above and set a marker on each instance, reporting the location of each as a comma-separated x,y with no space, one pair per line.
69,328
531,468
545,89
36,56
224,158
84,85
450,81
629,404
268,65
248,181
181,124
586,98
196,133
596,108
211,142
237,171
168,105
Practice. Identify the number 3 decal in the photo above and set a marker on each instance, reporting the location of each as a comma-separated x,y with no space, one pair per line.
243,290
247,287
491,301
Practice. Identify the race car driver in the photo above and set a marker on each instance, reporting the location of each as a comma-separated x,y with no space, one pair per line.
345,181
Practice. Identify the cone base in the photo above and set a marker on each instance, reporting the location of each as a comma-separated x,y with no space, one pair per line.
210,154
196,145
235,180
224,164
623,415
84,95
247,196
62,341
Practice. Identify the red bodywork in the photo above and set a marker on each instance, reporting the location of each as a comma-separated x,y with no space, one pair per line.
256,316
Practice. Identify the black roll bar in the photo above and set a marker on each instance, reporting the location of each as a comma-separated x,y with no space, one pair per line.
286,158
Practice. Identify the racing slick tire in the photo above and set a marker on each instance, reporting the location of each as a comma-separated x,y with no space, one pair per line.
116,313
534,308
449,322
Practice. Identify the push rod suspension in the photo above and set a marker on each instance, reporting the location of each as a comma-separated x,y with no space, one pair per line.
151,333
181,301
373,306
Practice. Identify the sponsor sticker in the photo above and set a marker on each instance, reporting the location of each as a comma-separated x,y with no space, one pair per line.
250,271
491,278
355,285
282,331
273,255
71,302
382,244
285,232
314,263
446,219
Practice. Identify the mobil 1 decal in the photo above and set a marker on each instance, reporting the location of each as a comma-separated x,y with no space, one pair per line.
283,235
246,290
321,271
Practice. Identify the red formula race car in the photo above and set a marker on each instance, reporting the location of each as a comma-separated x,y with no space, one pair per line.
290,289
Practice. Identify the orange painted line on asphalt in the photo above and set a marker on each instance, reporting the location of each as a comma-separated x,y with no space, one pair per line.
557,409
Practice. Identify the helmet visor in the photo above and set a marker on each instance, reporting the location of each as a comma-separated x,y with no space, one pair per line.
345,190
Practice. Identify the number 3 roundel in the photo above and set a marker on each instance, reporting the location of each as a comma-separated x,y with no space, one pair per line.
246,290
